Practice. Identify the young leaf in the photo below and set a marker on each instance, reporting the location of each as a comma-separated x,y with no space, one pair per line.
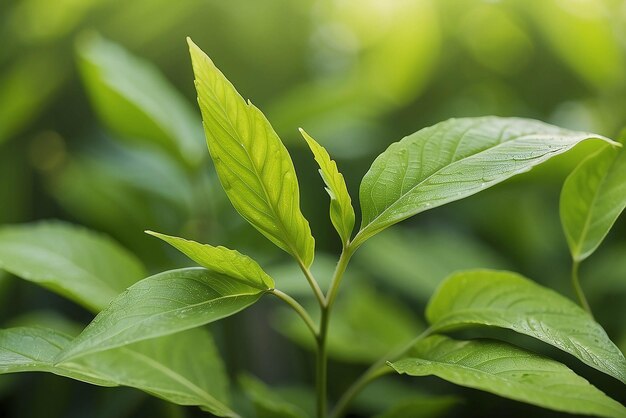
252,163
134,99
452,160
221,260
509,372
86,267
508,300
592,198
162,367
341,210
163,304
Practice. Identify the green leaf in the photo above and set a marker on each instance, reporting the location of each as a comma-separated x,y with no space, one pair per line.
135,100
510,372
221,260
253,165
508,300
267,403
341,210
593,197
84,266
452,160
163,304
184,369
163,367
33,349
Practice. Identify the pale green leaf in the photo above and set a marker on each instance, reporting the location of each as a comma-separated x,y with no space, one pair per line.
163,367
452,160
268,403
592,199
163,304
136,101
84,266
253,165
341,210
221,260
509,372
508,300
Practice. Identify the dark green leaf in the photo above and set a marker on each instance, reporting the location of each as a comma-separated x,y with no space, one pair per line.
510,372
508,300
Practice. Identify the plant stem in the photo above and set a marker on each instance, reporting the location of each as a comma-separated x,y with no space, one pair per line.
313,283
298,308
377,370
579,291
322,358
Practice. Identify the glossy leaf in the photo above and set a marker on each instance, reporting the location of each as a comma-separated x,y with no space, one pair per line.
161,366
267,403
253,165
593,197
452,160
509,372
84,266
163,304
341,210
135,100
508,300
221,260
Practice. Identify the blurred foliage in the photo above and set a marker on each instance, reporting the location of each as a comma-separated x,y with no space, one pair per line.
98,126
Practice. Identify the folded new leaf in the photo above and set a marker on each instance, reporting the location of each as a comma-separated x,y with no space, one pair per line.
163,304
510,372
341,210
508,300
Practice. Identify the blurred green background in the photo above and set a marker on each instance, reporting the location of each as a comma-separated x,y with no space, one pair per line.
98,126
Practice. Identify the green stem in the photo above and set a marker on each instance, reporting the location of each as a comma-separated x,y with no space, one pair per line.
298,308
579,291
313,283
322,358
377,370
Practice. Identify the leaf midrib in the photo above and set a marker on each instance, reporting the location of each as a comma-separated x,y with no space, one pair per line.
270,204
151,317
175,376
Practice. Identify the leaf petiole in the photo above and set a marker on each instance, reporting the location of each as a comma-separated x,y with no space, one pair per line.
299,309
